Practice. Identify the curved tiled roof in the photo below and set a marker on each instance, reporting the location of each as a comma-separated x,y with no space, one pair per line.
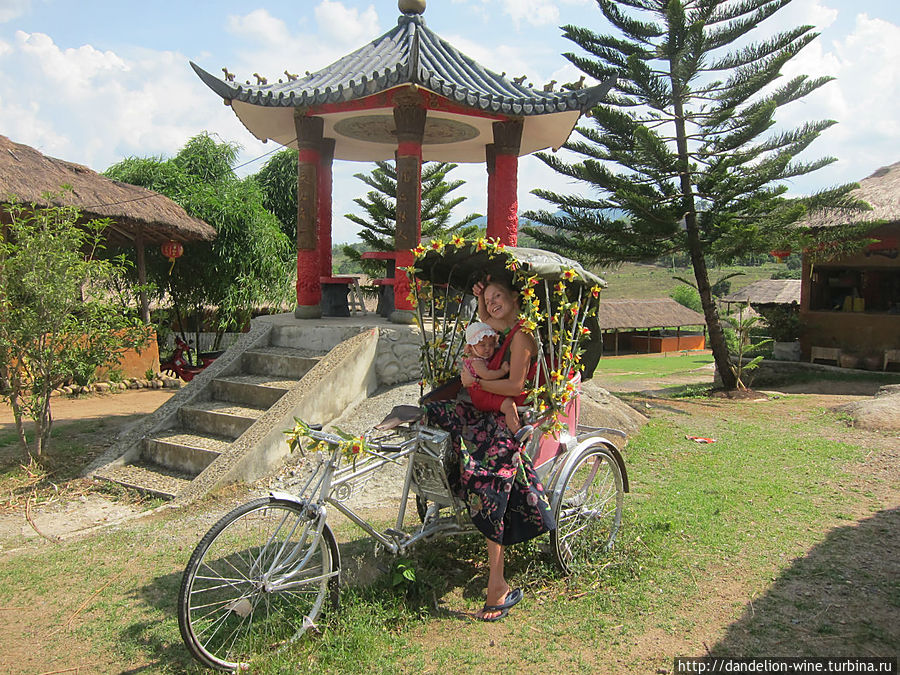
410,53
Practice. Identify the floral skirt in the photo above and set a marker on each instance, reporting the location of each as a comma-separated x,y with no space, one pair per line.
498,483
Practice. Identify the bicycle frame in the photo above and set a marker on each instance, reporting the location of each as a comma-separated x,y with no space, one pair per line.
330,484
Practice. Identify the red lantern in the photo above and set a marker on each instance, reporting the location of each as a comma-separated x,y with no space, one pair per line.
172,250
781,255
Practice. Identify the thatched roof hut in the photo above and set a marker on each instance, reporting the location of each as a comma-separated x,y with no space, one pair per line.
136,212
645,314
768,292
139,216
881,191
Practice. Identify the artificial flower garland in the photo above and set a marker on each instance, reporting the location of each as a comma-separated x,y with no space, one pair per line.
559,327
351,447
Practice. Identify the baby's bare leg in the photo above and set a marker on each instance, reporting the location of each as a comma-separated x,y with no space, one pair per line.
508,408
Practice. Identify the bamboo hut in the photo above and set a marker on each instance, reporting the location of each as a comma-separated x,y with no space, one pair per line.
766,292
663,320
139,216
850,306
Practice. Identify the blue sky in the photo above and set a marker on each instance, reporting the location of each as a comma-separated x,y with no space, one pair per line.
95,81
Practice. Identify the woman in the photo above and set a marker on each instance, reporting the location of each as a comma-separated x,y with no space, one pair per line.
505,499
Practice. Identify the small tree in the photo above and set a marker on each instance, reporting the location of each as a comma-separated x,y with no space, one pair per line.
250,262
687,147
57,315
380,205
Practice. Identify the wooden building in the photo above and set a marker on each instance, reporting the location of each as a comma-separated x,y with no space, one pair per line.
850,307
649,326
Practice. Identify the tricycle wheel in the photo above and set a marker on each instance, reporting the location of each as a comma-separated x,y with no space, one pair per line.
256,581
587,507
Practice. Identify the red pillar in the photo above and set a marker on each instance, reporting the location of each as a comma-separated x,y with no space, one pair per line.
507,139
409,119
309,289
325,183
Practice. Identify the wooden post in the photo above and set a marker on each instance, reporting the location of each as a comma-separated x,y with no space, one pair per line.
507,140
490,162
409,119
309,289
142,276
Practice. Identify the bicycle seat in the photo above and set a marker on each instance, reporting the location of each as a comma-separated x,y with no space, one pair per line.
400,414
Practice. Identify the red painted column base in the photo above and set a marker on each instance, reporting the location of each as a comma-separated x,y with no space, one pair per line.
402,288
309,290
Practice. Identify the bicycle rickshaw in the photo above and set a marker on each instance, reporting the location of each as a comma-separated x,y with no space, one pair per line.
260,577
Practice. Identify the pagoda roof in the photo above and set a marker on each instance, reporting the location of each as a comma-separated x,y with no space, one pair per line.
408,54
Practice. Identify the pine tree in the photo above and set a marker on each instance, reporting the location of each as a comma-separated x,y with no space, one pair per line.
380,207
687,146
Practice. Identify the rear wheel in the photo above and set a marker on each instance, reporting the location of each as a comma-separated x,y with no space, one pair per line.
587,509
256,581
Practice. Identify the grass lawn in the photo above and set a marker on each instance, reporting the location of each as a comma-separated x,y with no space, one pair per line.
660,365
779,538
642,281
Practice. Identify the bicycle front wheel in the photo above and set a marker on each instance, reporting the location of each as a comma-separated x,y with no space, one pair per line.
256,581
588,509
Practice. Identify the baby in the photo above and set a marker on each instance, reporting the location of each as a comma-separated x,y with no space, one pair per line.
481,343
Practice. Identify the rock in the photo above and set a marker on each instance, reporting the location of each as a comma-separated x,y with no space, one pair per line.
879,413
599,408
55,393
156,384
888,390
102,387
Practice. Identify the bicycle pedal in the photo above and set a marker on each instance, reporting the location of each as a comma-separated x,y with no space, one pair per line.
399,535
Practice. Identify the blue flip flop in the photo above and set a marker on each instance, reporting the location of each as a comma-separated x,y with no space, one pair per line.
512,599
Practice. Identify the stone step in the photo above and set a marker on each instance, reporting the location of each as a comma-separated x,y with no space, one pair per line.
219,418
258,391
281,362
147,477
183,450
312,335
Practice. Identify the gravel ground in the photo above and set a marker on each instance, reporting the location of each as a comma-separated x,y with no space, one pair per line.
383,488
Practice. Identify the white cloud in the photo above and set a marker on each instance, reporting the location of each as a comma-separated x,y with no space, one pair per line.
347,26
535,12
94,107
259,26
72,70
868,131
12,9
269,46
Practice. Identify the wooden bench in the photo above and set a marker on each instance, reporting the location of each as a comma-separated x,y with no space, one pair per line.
386,283
825,353
341,296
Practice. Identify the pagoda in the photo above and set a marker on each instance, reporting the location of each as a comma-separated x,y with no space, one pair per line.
410,96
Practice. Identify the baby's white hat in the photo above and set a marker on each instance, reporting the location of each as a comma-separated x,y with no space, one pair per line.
478,330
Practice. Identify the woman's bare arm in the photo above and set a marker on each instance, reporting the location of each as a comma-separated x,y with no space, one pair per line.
520,353
478,292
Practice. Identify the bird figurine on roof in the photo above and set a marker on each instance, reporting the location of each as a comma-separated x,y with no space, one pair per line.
229,77
291,76
260,80
549,86
574,86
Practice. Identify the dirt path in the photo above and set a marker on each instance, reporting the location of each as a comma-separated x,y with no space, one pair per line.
99,406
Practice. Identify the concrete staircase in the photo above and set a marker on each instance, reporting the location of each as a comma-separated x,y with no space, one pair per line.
228,423
206,427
